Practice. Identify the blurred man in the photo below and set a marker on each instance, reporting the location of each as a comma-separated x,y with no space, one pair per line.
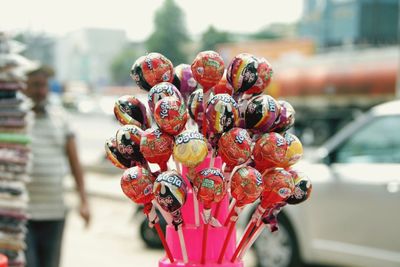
53,144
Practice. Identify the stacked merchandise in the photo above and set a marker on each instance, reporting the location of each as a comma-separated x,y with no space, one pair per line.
14,155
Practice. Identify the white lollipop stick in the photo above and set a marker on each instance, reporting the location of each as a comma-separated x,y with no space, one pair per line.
183,245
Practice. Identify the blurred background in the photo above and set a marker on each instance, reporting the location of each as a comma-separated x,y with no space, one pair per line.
332,60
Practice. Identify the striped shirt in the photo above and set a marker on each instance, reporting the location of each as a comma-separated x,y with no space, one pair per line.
49,165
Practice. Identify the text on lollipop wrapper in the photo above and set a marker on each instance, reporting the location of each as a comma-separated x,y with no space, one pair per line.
241,137
172,179
186,137
215,172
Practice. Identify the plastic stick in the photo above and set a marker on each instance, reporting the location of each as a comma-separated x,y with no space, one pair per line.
248,230
227,238
256,233
204,243
231,212
212,158
196,210
164,242
183,245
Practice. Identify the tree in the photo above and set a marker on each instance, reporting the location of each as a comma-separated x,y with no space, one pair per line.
121,65
170,33
212,37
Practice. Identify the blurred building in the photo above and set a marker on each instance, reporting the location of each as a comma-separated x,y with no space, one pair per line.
343,22
85,55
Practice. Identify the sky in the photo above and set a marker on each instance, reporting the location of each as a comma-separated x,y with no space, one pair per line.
59,17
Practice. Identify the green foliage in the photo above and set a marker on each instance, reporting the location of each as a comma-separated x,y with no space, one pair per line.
212,37
121,66
265,34
170,33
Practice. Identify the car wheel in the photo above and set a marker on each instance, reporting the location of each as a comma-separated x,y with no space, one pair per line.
278,249
149,235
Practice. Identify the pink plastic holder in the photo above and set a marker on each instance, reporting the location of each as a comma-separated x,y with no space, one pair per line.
194,235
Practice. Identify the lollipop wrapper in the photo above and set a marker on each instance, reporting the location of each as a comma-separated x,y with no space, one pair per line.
177,219
151,215
270,217
209,219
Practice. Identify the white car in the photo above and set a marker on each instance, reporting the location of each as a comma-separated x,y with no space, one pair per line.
353,215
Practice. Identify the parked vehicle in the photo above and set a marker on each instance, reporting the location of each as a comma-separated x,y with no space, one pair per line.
353,215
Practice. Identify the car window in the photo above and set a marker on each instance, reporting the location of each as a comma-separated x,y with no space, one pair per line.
377,141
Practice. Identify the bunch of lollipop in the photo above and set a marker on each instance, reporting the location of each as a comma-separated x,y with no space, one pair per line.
204,110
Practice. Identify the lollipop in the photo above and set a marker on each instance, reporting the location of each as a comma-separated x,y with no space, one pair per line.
270,151
278,186
152,69
246,187
208,69
261,113
222,114
195,107
128,143
223,87
171,115
234,147
156,147
264,71
286,118
137,185
184,80
294,150
210,187
160,91
242,72
115,157
129,110
190,148
170,193
302,188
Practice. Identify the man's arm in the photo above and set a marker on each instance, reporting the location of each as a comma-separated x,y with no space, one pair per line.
77,173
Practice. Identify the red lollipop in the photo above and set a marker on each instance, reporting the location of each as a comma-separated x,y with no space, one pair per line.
208,69
269,151
130,110
264,71
242,72
152,69
137,184
171,115
156,147
234,147
161,90
115,157
223,87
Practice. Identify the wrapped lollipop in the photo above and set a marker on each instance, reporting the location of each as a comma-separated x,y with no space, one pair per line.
156,147
246,187
129,110
242,72
286,117
184,80
115,157
161,90
264,76
152,69
278,186
171,115
294,150
269,151
223,87
207,68
195,107
137,185
261,113
302,191
191,149
222,114
128,143
170,193
211,188
234,147
302,188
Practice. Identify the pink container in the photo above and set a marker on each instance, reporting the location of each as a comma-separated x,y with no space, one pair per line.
193,235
